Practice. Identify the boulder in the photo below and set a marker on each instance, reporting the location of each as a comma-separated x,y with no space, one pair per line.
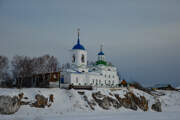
51,98
21,95
9,105
157,106
41,101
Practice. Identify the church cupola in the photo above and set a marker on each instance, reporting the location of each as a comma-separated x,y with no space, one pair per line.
101,54
101,57
78,45
79,53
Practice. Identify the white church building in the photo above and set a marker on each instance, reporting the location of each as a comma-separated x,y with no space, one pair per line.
100,74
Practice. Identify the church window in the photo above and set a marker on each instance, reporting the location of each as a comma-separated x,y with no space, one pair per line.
99,81
82,58
109,76
76,79
109,69
105,75
93,81
73,60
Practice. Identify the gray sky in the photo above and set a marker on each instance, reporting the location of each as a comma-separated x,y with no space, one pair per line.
140,37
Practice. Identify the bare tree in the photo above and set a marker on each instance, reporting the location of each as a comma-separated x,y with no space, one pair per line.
45,64
22,66
3,67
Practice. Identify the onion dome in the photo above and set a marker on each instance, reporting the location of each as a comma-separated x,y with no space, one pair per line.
78,46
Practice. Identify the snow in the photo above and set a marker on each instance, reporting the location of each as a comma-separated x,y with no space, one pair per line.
70,105
102,116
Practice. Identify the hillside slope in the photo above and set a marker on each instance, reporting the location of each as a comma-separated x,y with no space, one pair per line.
71,102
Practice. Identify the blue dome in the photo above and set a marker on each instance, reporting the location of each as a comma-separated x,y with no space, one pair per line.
78,46
101,53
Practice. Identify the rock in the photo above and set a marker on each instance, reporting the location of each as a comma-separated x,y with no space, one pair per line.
21,95
41,101
81,92
90,103
133,102
24,103
26,98
113,102
9,105
118,98
157,106
143,103
51,98
130,101
105,102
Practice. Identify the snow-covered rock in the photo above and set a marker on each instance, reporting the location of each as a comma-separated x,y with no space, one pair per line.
9,105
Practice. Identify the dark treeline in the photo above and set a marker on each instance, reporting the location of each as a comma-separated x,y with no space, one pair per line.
24,66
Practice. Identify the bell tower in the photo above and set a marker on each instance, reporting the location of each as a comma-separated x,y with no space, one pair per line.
79,55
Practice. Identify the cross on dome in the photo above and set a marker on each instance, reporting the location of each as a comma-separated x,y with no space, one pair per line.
101,51
78,46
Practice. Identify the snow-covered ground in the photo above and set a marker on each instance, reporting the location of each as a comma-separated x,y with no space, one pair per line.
70,105
101,116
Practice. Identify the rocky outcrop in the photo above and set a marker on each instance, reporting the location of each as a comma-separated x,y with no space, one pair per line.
143,105
157,106
40,102
91,103
130,101
9,105
105,102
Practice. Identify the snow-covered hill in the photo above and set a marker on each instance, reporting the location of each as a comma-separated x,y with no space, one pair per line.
69,102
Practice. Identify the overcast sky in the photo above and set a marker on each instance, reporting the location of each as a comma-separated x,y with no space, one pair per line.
140,37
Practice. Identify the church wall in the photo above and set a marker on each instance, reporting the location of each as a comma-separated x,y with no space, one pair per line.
78,79
78,55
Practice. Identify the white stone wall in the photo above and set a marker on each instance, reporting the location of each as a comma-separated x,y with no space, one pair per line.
78,54
101,77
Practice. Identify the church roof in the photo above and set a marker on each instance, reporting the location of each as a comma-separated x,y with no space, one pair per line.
78,45
100,53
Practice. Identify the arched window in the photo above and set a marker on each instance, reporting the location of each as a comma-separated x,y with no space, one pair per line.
73,58
82,58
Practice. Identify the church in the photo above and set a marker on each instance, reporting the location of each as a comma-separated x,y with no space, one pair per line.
101,74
